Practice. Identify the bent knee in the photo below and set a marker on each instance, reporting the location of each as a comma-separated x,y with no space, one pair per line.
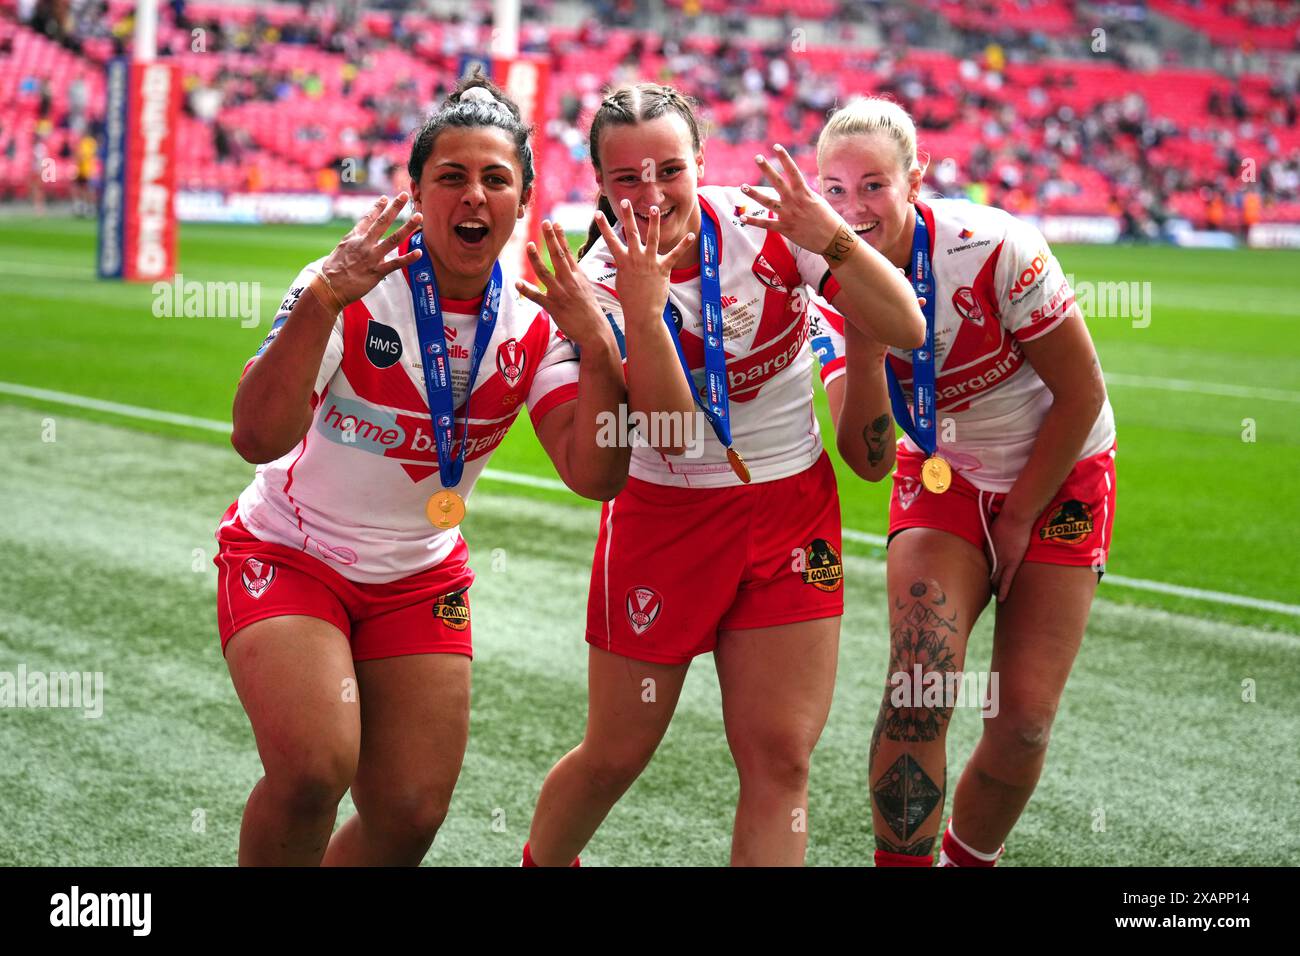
411,816
613,770
311,787
1027,733
780,761
898,722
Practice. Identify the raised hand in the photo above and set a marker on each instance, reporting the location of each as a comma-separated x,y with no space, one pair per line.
569,298
358,262
643,273
801,214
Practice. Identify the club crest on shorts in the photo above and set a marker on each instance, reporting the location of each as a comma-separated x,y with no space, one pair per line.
1071,521
511,361
967,306
257,576
453,610
908,489
643,607
822,567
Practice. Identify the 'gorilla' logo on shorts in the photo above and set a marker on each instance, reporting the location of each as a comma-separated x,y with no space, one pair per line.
1070,522
453,610
822,566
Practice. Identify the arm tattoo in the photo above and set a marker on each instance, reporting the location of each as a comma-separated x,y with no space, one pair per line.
841,246
874,435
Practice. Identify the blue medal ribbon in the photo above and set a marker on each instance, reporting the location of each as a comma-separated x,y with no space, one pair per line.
920,427
716,408
437,363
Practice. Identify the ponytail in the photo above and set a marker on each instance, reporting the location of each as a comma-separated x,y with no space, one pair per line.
603,208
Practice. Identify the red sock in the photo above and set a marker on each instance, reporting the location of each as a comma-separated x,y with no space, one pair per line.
956,853
902,859
528,858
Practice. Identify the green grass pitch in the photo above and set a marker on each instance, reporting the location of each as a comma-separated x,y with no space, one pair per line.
105,565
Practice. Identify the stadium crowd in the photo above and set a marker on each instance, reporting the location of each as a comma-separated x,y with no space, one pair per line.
1015,111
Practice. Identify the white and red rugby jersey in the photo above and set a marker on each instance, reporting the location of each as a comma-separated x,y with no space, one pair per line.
353,491
767,283
998,285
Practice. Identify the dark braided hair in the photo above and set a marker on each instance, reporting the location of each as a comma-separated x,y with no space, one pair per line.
474,113
627,106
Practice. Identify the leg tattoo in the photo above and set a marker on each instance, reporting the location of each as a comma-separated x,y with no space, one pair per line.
905,795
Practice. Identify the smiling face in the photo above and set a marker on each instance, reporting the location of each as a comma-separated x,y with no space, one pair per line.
653,163
470,192
863,178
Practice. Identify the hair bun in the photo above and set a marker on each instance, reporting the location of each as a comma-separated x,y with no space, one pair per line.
480,93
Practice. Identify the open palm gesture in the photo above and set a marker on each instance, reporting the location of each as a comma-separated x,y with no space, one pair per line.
798,212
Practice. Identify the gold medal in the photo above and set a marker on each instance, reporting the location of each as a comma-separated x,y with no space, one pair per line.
445,510
738,465
936,475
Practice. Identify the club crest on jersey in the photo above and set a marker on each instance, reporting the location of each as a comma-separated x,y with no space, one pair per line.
453,610
908,489
967,306
383,345
823,568
1071,522
767,275
511,361
257,576
643,607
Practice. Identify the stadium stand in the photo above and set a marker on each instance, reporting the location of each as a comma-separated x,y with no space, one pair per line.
280,102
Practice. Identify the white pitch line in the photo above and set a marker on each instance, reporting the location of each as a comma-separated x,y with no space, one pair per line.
115,408
553,484
1202,388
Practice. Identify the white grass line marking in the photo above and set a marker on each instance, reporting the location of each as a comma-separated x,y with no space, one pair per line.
553,484
1201,388
116,408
